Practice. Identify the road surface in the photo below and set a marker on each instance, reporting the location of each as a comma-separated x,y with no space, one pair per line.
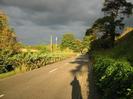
55,81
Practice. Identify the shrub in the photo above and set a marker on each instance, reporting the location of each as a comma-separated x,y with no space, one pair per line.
5,65
113,78
29,60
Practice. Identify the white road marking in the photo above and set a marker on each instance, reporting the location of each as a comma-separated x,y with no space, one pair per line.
53,70
66,63
73,60
1,95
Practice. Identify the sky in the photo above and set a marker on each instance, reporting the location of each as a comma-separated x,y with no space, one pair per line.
36,20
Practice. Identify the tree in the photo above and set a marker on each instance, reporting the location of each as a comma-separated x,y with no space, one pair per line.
8,43
116,11
86,43
89,32
7,34
77,45
98,27
67,41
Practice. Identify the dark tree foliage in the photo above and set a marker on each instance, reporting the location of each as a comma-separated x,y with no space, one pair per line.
89,32
100,25
116,10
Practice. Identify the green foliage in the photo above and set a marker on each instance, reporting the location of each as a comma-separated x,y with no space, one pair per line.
99,26
116,10
42,48
76,45
113,78
101,44
67,41
113,69
101,29
82,46
4,75
86,43
17,57
28,60
89,32
105,28
5,65
7,34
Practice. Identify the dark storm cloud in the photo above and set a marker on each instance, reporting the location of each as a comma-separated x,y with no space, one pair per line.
37,4
37,19
50,12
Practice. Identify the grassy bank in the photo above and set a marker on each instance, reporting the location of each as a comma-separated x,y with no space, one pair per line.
113,69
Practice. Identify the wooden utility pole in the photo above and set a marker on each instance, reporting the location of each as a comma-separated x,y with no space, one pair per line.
51,41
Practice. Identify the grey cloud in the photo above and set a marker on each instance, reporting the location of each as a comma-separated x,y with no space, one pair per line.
37,4
35,20
56,11
52,5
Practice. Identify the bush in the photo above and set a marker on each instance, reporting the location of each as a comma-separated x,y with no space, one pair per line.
28,60
101,44
113,78
5,65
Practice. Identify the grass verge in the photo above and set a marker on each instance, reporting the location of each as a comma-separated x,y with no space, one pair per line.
8,74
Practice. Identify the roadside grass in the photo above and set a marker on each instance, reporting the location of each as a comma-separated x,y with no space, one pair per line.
8,74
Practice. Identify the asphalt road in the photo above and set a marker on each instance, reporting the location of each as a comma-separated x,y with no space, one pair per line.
55,81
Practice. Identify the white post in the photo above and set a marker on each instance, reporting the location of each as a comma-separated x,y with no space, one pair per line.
51,41
56,41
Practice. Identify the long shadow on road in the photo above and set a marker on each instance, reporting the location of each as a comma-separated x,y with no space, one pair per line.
76,90
81,62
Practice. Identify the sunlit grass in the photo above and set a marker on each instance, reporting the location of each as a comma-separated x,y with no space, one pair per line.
8,74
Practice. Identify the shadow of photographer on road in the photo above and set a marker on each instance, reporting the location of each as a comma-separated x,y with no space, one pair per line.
76,90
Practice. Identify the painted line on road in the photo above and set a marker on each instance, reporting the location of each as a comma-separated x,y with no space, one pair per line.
1,95
73,60
53,70
66,63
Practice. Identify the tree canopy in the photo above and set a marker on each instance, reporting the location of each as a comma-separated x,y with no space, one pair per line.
116,11
67,41
106,28
7,34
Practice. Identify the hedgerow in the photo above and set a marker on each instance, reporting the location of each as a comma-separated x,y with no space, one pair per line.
113,78
28,60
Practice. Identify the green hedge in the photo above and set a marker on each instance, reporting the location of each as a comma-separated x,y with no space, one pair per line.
113,78
28,60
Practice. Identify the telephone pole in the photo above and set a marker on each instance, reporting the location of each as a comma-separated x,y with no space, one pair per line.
51,41
56,41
